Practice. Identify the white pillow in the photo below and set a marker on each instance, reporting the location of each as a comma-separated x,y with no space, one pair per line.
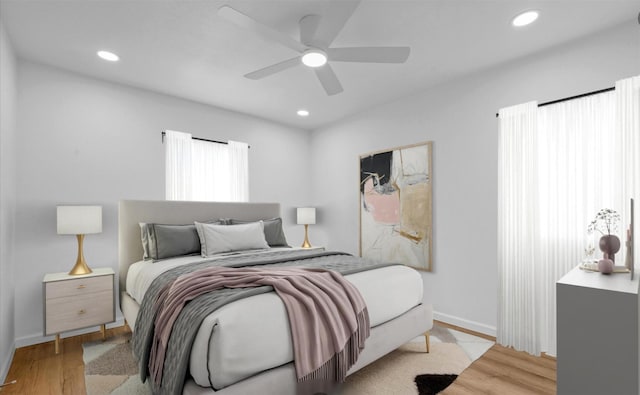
215,239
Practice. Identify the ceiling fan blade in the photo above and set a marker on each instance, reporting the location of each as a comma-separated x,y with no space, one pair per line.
249,23
308,27
274,68
328,79
369,54
332,25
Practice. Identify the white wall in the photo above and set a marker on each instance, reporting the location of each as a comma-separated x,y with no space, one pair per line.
86,141
8,98
459,117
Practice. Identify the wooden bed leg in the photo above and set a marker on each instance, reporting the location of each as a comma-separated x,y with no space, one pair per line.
57,343
426,340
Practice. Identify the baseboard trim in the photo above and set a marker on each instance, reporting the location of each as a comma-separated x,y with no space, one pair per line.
6,364
464,323
30,340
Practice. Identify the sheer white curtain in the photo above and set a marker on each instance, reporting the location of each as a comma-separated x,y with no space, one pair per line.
211,172
239,164
205,171
628,128
518,222
558,166
577,169
177,150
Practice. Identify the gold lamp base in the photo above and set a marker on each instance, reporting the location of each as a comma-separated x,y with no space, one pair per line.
306,243
81,266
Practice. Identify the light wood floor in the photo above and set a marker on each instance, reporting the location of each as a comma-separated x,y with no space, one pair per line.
38,370
503,370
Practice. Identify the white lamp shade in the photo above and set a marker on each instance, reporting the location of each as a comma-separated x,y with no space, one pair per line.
306,216
79,220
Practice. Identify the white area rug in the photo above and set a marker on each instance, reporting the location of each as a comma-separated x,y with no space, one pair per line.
451,352
111,369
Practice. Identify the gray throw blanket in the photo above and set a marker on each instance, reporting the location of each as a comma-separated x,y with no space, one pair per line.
193,313
327,315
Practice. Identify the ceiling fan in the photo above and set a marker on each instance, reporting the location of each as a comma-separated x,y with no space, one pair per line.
314,49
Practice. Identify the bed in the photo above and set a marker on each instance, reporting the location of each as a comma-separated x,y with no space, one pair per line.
253,354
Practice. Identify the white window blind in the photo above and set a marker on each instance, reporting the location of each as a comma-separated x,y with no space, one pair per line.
205,171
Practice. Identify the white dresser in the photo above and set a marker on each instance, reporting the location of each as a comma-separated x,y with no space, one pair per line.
598,334
75,302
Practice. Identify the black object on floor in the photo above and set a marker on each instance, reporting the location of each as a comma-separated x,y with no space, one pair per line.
431,384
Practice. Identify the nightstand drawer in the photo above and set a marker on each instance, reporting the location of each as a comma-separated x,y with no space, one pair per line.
79,287
72,312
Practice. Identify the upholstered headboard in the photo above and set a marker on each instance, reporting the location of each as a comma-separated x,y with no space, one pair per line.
132,212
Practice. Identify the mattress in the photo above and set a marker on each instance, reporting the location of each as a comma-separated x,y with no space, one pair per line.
251,335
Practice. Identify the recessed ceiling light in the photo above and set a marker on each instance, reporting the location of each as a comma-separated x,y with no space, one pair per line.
314,58
303,113
525,18
110,56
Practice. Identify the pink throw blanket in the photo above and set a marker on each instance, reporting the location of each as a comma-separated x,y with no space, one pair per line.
328,317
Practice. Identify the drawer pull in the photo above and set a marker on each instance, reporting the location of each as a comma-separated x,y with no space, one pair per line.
81,312
82,286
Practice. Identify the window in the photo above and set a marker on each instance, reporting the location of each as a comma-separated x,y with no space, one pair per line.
558,166
204,170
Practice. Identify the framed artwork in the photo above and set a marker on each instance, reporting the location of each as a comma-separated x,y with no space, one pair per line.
395,205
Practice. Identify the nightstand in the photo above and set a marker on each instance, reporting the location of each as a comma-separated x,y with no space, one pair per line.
76,302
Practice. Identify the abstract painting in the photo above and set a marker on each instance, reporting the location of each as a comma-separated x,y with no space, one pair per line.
395,205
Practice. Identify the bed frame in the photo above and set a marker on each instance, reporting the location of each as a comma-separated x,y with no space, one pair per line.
384,338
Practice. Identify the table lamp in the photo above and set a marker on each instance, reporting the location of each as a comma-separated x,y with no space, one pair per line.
79,221
306,217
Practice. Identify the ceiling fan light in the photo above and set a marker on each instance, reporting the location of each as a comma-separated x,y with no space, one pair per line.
525,18
110,56
314,58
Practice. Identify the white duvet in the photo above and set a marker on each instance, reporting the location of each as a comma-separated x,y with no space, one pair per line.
252,334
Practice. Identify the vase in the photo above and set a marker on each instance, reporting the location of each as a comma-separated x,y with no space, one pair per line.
609,245
605,266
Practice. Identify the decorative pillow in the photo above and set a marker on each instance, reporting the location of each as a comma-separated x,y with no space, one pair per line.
160,241
215,239
273,232
144,236
174,240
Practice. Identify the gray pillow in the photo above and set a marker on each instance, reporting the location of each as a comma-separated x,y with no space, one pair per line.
145,237
173,240
160,241
216,239
273,232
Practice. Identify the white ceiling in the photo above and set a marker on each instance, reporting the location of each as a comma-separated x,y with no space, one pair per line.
184,48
